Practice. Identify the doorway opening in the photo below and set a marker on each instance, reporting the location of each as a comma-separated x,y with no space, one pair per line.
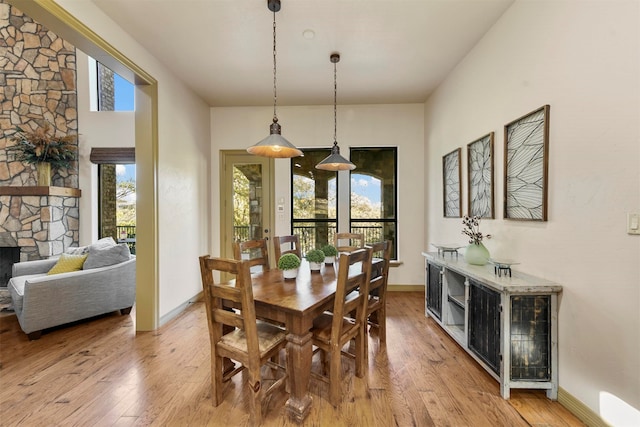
246,191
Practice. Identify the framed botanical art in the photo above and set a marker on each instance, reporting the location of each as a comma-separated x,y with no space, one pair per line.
451,184
480,177
526,164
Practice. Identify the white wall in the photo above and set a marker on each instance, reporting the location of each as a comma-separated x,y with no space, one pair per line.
96,129
183,164
358,126
581,58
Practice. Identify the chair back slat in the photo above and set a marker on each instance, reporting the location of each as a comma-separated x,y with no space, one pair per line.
228,318
258,253
227,291
348,242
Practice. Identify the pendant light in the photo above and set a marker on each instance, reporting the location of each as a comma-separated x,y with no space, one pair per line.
274,145
335,162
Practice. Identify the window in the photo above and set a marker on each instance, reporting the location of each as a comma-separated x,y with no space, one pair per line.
372,204
314,200
111,92
372,209
116,193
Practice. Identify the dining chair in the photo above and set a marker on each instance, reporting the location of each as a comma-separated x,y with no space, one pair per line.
331,331
286,245
376,307
252,343
348,242
254,251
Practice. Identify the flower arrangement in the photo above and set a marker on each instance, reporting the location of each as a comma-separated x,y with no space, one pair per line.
472,229
289,262
42,146
315,255
329,250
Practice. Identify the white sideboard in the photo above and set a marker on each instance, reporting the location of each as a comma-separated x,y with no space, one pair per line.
507,323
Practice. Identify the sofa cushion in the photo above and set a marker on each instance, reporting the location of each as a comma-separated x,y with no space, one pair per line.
105,242
102,257
80,250
68,263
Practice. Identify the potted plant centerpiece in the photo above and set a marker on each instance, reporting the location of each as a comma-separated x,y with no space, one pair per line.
44,149
476,253
315,258
289,264
330,253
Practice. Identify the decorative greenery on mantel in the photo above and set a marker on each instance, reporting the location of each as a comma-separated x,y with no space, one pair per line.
43,146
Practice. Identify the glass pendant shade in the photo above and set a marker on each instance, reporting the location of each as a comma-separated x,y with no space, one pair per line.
274,145
335,162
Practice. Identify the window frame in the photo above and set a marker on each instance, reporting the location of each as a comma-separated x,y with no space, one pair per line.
394,220
325,152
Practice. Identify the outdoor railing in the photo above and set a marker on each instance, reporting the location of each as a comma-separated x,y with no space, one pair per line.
307,235
240,233
127,234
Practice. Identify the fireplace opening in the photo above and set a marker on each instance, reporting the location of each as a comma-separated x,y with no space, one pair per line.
8,257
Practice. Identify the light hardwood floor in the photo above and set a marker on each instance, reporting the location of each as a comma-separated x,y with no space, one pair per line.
103,373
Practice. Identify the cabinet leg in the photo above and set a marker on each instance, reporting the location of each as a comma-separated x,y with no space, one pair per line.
552,393
505,391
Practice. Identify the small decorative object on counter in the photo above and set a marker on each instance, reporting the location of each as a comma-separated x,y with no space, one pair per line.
330,253
289,264
316,258
445,248
476,253
502,266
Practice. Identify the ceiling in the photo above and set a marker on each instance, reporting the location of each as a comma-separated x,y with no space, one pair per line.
392,51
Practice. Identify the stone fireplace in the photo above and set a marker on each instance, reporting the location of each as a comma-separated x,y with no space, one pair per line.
41,221
37,87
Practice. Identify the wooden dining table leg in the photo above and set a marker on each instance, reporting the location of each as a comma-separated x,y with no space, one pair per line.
299,354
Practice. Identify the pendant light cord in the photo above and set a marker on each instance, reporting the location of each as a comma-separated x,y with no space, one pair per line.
335,105
275,95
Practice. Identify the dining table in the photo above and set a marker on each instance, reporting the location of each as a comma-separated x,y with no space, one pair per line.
296,303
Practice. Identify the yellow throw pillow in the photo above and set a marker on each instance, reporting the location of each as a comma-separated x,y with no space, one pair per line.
68,263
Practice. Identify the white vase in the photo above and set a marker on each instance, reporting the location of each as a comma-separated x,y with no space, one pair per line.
315,266
290,274
328,260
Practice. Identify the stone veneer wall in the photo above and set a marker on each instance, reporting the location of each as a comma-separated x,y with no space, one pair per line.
106,88
41,226
108,204
37,85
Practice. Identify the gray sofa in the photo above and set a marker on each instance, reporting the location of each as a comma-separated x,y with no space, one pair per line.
41,301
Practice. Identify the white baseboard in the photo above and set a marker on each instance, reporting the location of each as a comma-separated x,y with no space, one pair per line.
405,288
179,309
